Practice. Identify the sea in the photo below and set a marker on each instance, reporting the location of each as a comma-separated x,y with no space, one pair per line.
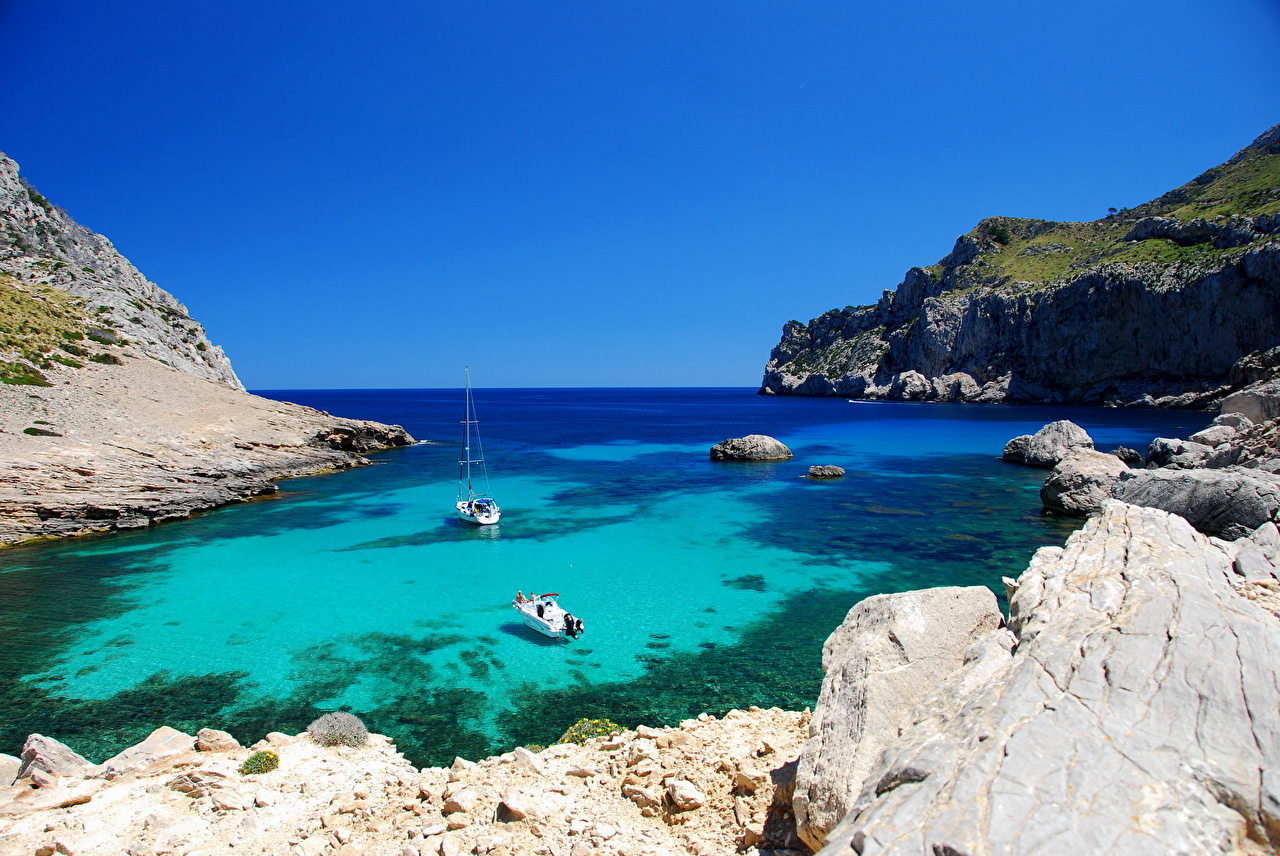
703,586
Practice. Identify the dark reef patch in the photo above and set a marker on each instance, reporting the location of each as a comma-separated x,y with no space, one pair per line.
747,582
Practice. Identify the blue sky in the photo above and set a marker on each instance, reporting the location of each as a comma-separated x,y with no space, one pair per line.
597,193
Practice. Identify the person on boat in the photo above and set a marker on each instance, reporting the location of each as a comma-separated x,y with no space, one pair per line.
520,597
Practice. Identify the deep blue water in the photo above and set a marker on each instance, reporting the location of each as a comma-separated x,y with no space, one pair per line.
704,585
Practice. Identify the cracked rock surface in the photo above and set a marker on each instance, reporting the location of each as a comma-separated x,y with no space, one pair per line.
1137,713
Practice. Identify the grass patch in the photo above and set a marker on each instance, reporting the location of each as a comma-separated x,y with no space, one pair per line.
21,374
35,322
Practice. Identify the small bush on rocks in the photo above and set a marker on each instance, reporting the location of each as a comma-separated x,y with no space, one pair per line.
260,762
584,729
338,729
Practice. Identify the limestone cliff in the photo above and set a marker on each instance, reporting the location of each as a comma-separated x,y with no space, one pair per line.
115,409
1152,305
40,245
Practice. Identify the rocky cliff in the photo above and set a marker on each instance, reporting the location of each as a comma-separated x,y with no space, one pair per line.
115,410
1149,306
41,247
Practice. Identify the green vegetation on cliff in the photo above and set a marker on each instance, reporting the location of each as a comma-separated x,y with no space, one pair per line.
1022,250
37,325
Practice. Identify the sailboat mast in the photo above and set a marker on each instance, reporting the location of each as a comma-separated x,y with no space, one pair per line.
466,438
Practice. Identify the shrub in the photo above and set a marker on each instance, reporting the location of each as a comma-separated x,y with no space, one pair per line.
1000,233
106,359
20,374
338,729
584,729
260,762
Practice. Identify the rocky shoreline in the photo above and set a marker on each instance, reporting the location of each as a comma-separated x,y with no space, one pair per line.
1128,702
124,446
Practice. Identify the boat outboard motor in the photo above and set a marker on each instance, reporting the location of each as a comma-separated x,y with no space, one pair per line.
570,625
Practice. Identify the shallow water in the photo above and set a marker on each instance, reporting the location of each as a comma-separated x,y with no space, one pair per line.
704,585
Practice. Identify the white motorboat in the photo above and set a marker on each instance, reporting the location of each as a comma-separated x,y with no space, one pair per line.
545,615
475,507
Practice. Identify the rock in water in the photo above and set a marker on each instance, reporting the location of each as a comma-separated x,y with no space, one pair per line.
1016,449
753,447
1138,714
1051,443
1081,483
826,472
889,653
1229,501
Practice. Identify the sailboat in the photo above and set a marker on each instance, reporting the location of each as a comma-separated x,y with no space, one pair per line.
474,507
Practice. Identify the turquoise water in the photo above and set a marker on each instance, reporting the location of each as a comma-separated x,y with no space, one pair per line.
704,585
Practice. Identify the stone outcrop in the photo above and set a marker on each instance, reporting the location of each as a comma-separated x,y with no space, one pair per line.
140,443
890,651
1137,713
1030,310
826,472
709,786
1049,445
1081,483
753,447
1230,502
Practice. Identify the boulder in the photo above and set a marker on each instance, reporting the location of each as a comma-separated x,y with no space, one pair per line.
684,795
48,755
1229,501
753,447
1081,483
1172,452
910,386
1258,403
890,651
212,740
161,743
1132,457
1267,538
826,472
1137,714
1214,435
1051,443
1016,449
1238,421
1252,564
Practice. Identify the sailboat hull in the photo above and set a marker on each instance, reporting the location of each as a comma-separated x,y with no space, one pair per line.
481,519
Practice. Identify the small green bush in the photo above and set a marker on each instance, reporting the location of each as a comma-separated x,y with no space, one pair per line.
260,762
1000,233
338,729
20,374
584,729
106,359
67,361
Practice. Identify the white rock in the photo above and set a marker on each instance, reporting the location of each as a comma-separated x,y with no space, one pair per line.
684,795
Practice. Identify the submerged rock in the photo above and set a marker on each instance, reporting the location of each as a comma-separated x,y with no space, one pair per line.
753,447
888,654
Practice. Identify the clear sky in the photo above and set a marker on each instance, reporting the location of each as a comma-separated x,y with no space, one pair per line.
595,193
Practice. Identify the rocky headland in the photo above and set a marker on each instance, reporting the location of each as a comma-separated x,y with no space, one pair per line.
115,409
1174,303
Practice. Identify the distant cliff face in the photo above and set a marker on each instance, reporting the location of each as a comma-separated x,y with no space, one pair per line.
41,246
1152,305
